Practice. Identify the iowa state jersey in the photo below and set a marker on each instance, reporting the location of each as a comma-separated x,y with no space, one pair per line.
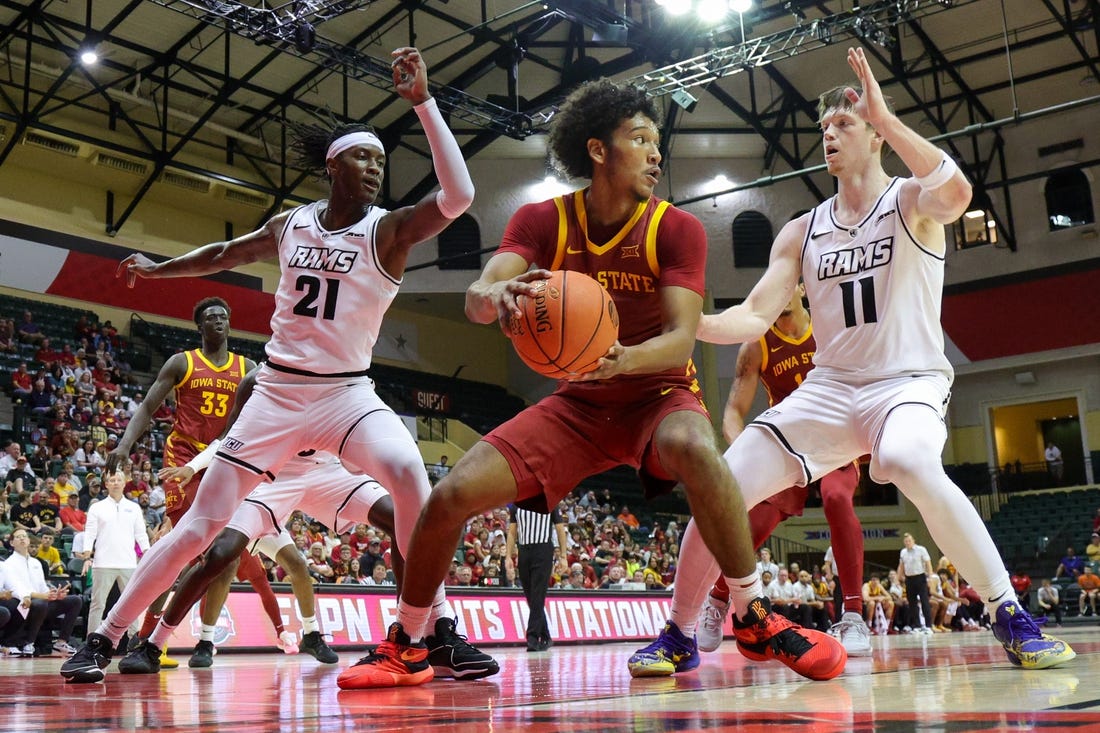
658,246
332,294
204,397
785,362
874,292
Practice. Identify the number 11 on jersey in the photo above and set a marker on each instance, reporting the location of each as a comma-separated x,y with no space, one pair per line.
866,297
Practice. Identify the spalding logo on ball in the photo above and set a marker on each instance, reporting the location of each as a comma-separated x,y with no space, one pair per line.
566,327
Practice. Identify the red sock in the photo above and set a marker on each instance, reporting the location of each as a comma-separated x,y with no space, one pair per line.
148,624
252,571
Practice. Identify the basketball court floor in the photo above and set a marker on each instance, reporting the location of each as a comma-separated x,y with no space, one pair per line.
946,682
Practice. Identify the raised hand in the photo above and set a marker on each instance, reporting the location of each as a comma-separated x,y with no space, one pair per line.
410,74
871,107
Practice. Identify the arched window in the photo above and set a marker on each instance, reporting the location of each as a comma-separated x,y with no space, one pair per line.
977,226
459,243
752,239
1069,199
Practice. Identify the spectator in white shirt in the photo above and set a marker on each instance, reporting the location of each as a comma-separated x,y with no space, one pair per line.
114,526
765,564
8,610
770,586
37,600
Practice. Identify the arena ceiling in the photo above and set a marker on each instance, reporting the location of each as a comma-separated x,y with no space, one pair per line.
199,87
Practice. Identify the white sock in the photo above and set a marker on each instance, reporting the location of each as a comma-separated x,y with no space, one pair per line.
207,632
309,625
162,633
744,591
412,619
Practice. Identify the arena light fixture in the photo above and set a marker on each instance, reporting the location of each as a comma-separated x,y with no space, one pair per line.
676,7
712,11
740,6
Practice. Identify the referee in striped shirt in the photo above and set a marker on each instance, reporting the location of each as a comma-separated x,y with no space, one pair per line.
533,532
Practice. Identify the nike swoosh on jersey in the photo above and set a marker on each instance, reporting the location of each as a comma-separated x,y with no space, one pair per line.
571,251
776,348
300,226
818,234
666,390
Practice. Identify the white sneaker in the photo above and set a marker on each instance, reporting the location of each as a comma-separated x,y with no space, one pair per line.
926,630
853,634
27,650
708,636
64,647
288,642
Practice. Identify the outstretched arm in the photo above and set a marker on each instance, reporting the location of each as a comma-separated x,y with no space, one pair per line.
261,244
431,215
943,198
749,320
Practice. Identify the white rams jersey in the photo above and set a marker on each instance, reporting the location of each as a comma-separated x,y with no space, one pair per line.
875,294
332,294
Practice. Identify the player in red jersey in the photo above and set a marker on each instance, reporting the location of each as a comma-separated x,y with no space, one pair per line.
780,360
641,406
205,382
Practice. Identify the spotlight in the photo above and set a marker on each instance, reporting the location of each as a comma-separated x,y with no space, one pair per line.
741,6
685,99
711,11
675,7
89,57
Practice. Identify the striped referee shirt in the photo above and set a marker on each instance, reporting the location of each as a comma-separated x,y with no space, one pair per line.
533,528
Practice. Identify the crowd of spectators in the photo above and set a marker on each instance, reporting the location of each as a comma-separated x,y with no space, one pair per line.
606,546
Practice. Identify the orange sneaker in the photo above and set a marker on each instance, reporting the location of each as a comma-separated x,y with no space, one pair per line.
396,662
763,635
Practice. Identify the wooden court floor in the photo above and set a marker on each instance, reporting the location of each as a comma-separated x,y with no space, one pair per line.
956,682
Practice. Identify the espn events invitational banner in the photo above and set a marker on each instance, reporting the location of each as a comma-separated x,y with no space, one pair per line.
352,619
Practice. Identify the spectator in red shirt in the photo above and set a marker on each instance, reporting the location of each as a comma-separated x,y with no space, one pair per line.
72,518
46,353
1021,583
22,382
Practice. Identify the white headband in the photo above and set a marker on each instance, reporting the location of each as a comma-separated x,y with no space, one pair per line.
351,140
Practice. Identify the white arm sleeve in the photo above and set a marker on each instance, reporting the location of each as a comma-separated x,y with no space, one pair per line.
456,187
202,460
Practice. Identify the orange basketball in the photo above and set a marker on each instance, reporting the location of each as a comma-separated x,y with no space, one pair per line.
566,327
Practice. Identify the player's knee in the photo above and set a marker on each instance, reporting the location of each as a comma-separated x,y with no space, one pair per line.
448,505
381,515
906,464
223,557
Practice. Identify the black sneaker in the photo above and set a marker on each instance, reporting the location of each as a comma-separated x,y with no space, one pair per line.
88,663
314,645
144,659
452,656
203,656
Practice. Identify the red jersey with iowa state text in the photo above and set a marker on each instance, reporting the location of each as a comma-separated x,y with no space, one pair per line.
785,361
205,396
658,246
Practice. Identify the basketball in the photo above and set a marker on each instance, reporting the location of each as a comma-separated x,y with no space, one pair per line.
566,327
